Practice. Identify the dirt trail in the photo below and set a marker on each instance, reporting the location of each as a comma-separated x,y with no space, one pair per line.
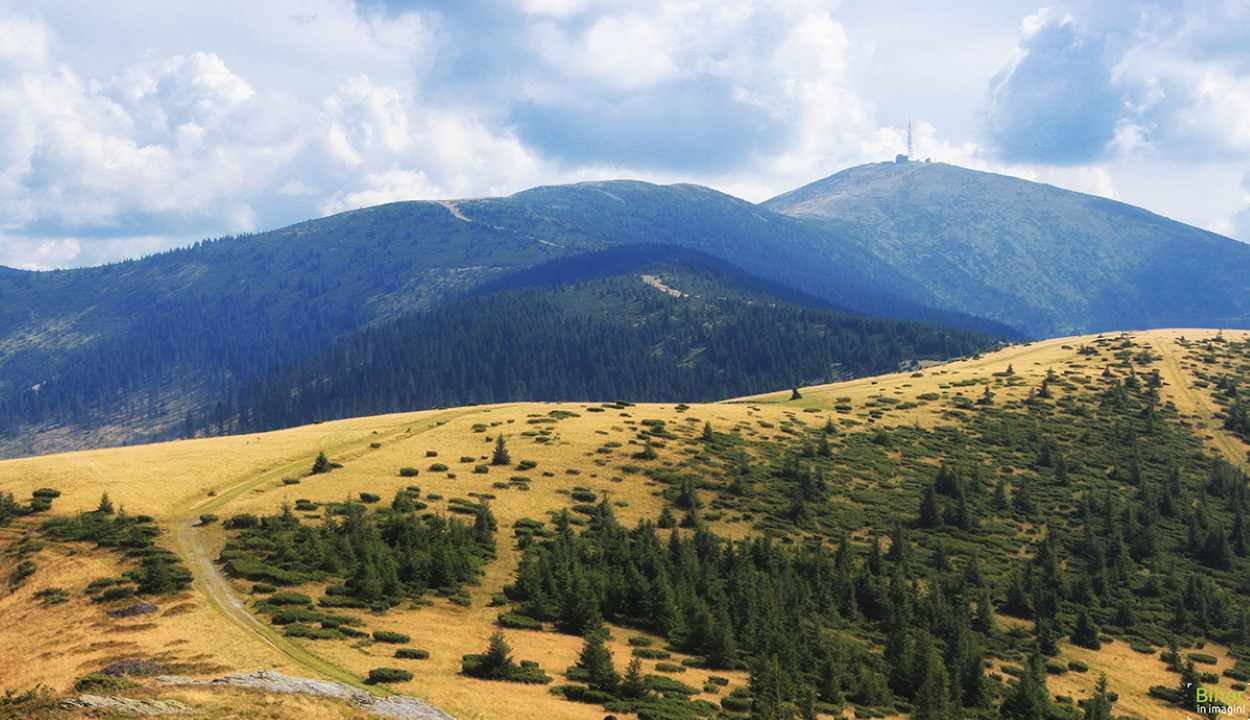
194,544
1195,402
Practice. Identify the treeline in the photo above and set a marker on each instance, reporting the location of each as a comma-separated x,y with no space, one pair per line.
606,338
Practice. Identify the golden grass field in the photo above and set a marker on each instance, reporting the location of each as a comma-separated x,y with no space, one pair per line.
176,482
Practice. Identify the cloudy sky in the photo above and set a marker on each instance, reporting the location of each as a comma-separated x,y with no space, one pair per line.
131,126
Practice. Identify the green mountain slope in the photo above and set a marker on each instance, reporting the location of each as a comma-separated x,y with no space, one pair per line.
124,351
654,323
1048,261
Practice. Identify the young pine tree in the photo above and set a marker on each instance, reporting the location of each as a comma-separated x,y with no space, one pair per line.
500,456
596,660
1028,699
633,686
321,464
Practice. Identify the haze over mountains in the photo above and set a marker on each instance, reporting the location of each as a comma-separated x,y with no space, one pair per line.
128,351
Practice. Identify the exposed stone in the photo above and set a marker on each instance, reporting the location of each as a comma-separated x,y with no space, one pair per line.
399,707
122,704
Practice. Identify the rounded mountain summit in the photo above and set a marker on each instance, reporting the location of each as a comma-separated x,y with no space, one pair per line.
1047,261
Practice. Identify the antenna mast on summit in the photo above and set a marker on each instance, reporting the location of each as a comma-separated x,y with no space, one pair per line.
908,138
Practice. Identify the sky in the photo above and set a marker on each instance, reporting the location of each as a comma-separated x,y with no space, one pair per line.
128,127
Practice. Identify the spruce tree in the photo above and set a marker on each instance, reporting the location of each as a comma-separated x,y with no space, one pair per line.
633,686
1085,633
1028,699
768,691
1098,707
321,464
494,664
500,456
596,660
1188,686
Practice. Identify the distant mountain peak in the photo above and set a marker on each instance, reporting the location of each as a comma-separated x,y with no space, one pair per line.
1047,260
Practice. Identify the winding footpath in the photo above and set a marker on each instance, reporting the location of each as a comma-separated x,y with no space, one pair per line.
194,543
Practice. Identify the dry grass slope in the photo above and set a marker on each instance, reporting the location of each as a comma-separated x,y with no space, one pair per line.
175,482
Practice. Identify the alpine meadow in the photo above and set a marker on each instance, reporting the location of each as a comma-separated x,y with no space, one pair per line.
912,441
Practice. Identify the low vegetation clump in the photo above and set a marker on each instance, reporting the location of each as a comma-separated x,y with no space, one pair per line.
386,636
134,667
412,654
101,684
497,664
388,675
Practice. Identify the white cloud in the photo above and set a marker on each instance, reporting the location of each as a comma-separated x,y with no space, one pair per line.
391,186
125,125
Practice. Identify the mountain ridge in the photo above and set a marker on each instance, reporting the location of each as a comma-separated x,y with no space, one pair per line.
1047,260
141,344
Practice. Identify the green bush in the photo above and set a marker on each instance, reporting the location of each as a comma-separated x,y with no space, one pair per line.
289,598
1201,658
412,654
262,589
301,630
25,569
369,497
1171,695
651,653
117,592
409,472
99,683
670,667
242,521
386,636
388,675
52,595
46,493
518,622
662,684
640,641
438,467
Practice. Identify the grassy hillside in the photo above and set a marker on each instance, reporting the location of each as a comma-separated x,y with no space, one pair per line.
1056,483
1048,261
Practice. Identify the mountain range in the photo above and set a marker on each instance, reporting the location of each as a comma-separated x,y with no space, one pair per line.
141,349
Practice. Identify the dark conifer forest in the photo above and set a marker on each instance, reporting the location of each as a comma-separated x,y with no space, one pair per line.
695,334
